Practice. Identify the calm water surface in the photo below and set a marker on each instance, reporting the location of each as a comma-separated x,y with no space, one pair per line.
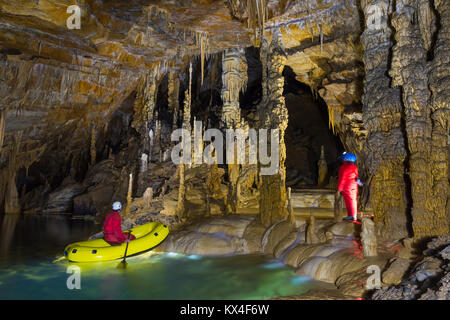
30,245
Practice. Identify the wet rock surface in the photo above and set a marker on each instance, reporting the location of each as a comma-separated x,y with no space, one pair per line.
427,279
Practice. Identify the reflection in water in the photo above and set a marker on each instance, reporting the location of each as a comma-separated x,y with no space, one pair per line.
35,236
9,222
28,272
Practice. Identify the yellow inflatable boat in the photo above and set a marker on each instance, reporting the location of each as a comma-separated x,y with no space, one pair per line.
148,236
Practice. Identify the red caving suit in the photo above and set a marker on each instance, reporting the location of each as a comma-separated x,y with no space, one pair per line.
348,174
112,229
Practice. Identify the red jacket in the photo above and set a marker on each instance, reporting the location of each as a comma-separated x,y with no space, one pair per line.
112,228
348,174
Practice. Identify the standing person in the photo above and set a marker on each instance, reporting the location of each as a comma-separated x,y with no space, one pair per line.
112,227
348,184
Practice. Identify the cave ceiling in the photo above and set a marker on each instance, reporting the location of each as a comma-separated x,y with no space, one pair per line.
54,80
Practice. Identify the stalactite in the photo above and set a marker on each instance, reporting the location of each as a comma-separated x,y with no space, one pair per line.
321,38
234,80
173,94
11,197
332,112
202,40
256,17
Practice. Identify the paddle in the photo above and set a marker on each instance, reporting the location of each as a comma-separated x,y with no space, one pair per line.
123,264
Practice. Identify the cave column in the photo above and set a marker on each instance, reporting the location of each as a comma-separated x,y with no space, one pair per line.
181,167
382,115
409,70
234,79
273,114
439,83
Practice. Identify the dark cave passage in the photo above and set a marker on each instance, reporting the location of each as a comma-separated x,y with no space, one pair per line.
305,135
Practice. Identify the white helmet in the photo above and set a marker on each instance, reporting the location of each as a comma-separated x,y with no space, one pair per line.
116,206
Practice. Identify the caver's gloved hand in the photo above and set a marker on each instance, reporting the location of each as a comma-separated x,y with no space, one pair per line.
359,182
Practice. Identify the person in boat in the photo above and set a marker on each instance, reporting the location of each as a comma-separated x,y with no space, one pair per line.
112,227
348,184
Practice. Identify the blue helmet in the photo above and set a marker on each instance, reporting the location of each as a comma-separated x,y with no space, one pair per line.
347,156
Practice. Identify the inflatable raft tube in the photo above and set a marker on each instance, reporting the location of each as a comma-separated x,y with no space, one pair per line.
148,236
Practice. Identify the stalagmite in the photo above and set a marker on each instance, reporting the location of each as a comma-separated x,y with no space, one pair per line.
311,236
93,149
181,192
151,142
142,172
173,94
148,197
129,194
157,140
187,103
290,208
368,238
144,163
338,206
197,155
323,169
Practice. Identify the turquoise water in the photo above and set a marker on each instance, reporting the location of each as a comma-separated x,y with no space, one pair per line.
33,274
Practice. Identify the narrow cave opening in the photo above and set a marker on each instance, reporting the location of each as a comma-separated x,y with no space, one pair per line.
306,134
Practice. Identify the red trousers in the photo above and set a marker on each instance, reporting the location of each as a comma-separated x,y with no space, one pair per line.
350,199
348,173
113,240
